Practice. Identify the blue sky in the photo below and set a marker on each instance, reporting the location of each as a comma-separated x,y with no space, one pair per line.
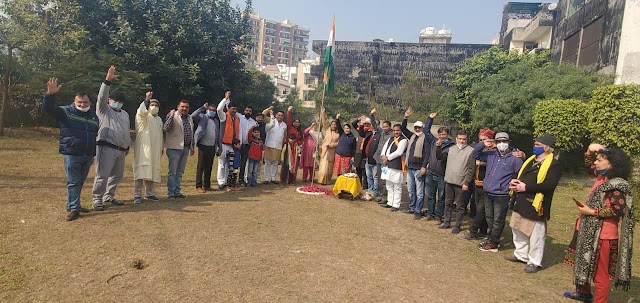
471,21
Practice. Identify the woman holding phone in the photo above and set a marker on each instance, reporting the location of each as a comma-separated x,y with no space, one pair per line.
599,251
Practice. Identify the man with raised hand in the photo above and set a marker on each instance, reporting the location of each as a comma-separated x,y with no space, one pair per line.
78,130
180,145
417,158
113,143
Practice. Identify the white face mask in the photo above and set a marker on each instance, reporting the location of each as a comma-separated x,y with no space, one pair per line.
502,146
83,109
154,110
115,105
418,133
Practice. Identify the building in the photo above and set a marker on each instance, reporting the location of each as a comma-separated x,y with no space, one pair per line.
527,26
276,42
287,78
603,35
430,35
377,68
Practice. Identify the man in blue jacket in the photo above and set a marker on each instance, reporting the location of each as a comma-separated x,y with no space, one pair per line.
502,167
207,137
78,131
417,158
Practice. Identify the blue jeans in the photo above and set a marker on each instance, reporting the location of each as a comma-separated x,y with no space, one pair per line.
77,168
372,181
177,164
435,184
253,172
415,186
496,208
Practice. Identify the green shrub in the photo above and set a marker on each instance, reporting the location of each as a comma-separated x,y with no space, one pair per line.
565,119
614,115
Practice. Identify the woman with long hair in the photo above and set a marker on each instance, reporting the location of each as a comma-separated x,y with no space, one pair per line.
599,251
328,148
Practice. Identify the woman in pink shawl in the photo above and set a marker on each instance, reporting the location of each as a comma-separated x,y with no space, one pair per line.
310,140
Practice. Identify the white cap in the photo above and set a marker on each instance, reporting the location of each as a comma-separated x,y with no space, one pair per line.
418,124
367,120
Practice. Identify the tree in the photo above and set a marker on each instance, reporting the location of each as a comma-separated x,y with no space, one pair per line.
615,112
258,90
42,31
565,119
343,100
475,70
505,101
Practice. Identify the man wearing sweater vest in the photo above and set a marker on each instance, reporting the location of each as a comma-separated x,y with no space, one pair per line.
392,162
417,158
180,145
78,130
458,175
113,143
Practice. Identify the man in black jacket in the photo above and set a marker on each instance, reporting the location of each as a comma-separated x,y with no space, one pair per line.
370,149
417,158
436,169
78,131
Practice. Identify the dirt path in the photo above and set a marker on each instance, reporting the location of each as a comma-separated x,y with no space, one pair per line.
264,244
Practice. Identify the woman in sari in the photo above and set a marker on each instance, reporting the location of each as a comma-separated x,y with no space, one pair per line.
328,147
598,251
311,138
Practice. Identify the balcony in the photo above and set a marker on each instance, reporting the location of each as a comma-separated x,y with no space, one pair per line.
539,25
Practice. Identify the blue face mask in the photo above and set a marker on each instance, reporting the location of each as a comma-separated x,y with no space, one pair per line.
602,172
538,150
211,113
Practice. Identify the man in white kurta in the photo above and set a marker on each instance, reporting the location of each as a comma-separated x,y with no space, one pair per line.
391,156
276,132
148,149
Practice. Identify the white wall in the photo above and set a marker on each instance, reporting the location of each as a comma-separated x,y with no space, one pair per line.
628,67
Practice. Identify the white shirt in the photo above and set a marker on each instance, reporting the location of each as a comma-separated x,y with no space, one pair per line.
276,132
398,152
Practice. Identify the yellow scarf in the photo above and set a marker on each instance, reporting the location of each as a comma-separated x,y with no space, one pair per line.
542,174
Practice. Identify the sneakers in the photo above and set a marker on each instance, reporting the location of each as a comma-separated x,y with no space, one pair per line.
531,269
578,296
444,225
152,198
455,230
72,215
489,246
98,207
137,200
115,202
513,258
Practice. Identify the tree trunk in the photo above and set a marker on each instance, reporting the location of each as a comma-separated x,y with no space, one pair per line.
5,87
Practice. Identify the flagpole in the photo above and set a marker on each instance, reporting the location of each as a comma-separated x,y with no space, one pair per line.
313,170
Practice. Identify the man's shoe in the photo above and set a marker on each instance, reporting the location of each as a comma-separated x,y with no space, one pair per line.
382,202
417,216
430,218
408,211
116,202
208,189
137,200
72,215
201,190
444,225
171,198
377,199
152,198
180,196
222,187
531,269
275,182
386,205
490,246
513,258
578,296
455,230
98,207
466,235
394,209
242,183
265,182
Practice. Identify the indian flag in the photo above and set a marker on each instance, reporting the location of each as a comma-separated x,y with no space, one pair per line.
328,59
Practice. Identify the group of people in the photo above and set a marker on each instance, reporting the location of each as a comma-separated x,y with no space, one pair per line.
442,170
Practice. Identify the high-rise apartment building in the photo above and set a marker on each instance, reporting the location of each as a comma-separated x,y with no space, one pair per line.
277,42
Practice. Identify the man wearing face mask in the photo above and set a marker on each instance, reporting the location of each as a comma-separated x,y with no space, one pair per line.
148,149
502,166
533,192
208,142
113,143
458,175
78,130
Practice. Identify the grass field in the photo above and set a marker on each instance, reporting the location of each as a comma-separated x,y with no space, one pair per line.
260,244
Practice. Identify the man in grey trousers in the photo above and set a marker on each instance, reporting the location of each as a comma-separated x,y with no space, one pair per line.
113,143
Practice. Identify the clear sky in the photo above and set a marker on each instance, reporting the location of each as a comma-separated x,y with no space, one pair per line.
471,21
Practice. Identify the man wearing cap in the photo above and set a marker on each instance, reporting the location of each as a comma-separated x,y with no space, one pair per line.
148,149
502,166
533,192
113,143
417,158
457,177
365,133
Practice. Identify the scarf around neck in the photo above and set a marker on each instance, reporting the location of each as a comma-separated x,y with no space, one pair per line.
417,151
542,175
589,233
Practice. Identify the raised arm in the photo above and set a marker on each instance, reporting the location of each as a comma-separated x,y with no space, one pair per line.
405,131
339,125
49,101
168,124
427,128
141,114
290,117
199,111
374,122
220,109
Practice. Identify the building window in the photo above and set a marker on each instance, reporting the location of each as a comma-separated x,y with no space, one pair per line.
575,5
590,44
